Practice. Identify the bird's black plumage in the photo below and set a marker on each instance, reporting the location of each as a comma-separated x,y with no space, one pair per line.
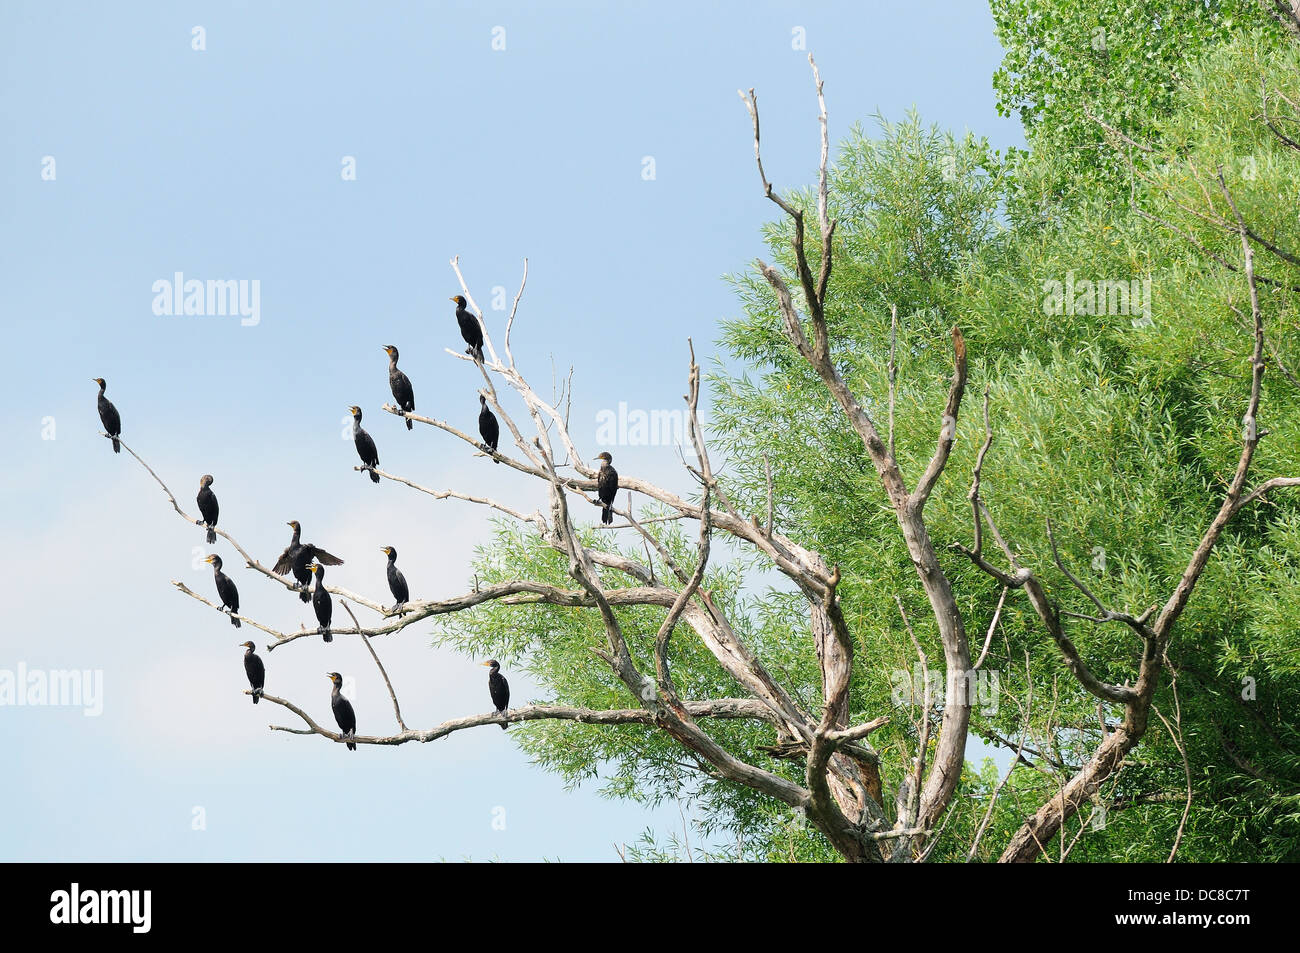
225,588
606,487
498,687
322,603
343,713
298,556
108,416
470,329
366,449
400,384
208,507
488,428
254,669
396,581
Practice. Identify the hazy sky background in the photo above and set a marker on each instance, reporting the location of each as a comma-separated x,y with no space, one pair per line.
225,164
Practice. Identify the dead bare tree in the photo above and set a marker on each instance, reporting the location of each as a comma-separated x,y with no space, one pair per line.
841,791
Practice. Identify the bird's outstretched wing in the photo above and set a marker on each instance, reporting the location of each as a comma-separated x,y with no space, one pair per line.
285,562
324,558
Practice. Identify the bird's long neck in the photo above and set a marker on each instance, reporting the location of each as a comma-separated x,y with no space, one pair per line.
297,533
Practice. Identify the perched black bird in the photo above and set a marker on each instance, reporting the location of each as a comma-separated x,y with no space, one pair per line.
108,416
322,603
498,688
396,581
225,588
488,428
254,669
208,508
400,385
365,446
343,712
297,556
470,329
606,487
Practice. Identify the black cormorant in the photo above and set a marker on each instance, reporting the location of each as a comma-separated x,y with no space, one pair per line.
208,508
254,669
396,581
400,385
606,487
298,556
322,603
365,446
470,329
108,416
225,588
498,688
343,712
488,428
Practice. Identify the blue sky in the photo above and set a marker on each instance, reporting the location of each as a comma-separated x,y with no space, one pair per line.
224,163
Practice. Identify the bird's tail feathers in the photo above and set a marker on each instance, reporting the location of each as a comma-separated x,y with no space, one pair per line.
234,621
212,536
117,447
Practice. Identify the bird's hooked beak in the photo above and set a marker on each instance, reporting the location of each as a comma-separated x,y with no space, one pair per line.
452,298
487,664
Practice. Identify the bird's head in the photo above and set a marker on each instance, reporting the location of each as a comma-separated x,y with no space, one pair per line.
492,664
315,569
459,299
214,560
389,552
205,480
293,525
334,677
100,381
391,351
604,456
247,645
355,412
